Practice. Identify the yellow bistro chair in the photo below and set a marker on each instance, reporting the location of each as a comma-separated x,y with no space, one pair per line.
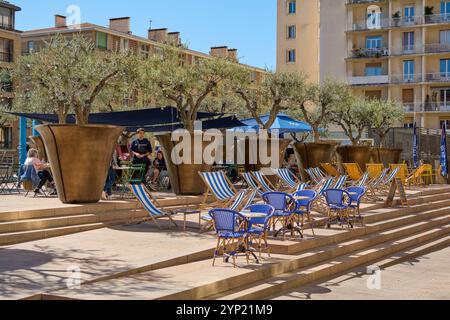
421,176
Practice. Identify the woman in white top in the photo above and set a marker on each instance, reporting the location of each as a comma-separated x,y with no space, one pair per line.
41,169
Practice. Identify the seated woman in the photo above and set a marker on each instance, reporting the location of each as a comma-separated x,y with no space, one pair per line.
159,164
41,169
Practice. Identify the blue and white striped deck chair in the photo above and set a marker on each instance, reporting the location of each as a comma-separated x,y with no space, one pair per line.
301,187
319,173
218,186
320,203
286,178
313,177
372,187
391,176
248,178
150,205
341,182
363,181
264,184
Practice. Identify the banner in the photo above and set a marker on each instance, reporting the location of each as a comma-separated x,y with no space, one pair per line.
444,167
415,148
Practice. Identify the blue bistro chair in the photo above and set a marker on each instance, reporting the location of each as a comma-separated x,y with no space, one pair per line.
356,195
258,228
285,206
229,226
304,207
338,203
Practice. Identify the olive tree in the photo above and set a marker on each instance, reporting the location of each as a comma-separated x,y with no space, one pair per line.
272,94
168,76
354,116
386,115
72,76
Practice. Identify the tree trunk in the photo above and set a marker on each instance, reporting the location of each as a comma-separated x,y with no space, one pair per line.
316,134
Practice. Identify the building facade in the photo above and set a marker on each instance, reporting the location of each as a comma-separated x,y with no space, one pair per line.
10,49
386,49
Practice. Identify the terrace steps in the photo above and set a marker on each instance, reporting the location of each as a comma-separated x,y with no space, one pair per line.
294,263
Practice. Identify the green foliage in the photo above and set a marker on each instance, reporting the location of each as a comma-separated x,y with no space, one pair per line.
386,115
71,76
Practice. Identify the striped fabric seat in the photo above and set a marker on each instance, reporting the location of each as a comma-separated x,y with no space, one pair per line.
301,187
251,198
261,181
218,184
148,204
327,185
238,201
341,182
319,173
286,176
392,175
247,176
312,175
365,178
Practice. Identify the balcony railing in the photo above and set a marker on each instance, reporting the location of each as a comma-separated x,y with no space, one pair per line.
437,18
406,21
412,106
368,80
438,77
435,107
372,23
437,48
369,53
364,1
406,78
406,50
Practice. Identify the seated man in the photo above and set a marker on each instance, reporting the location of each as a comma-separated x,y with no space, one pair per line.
141,149
41,169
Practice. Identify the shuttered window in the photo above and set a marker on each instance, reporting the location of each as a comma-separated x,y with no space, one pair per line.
102,40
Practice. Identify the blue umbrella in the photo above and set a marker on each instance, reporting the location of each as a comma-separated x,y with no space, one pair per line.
444,168
283,123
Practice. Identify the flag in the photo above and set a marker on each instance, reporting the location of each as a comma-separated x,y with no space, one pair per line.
444,167
415,148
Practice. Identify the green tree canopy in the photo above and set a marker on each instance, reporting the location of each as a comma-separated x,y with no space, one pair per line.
387,114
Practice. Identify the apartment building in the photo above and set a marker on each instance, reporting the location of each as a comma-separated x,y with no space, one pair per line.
118,36
386,49
10,49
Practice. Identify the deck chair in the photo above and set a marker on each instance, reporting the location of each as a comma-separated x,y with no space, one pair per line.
316,180
384,186
403,171
262,181
374,169
319,173
340,184
153,209
249,180
416,177
373,185
218,186
363,181
287,179
353,170
330,169
320,203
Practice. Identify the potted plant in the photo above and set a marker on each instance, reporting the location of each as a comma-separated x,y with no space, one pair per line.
70,76
271,95
169,78
386,114
314,103
354,116
396,17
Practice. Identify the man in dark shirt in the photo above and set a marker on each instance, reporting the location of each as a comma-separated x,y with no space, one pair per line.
141,149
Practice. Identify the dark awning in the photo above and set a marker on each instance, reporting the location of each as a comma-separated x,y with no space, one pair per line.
137,118
153,120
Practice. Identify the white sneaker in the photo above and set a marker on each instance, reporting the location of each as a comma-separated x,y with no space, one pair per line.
104,196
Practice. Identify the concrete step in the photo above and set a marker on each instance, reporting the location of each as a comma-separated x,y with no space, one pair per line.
62,221
303,276
11,238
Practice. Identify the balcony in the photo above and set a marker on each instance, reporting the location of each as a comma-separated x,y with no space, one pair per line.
412,107
369,53
437,18
438,77
406,78
406,21
435,107
368,80
437,48
405,50
372,23
350,2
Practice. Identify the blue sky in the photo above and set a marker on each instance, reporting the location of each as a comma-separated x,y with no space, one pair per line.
248,25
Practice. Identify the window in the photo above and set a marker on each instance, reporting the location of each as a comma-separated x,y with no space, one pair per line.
408,70
445,9
102,41
291,32
408,41
374,42
292,7
444,37
291,56
6,18
145,50
6,49
373,69
30,46
410,12
445,68
6,138
6,82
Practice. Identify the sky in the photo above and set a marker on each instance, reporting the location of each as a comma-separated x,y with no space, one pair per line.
247,25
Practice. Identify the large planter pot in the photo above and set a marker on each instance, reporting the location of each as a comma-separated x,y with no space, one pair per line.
80,157
386,156
184,178
281,150
355,154
38,143
311,155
